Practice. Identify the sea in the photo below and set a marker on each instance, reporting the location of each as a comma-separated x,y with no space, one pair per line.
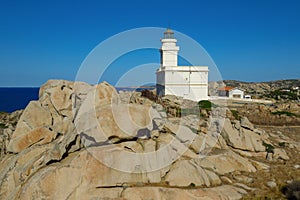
12,99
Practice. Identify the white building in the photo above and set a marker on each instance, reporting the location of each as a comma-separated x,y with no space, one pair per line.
236,93
189,82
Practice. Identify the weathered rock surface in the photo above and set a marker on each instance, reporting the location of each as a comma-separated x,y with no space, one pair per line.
221,192
225,162
280,154
243,139
245,123
186,173
27,132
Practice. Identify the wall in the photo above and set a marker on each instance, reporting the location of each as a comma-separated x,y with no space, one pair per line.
234,92
160,83
185,81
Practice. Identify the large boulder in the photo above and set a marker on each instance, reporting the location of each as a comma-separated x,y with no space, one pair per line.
280,154
243,138
114,122
187,173
28,130
246,123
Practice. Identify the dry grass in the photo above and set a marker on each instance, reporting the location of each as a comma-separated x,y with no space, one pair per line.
281,172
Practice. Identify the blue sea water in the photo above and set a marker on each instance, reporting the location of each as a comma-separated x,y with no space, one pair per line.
12,99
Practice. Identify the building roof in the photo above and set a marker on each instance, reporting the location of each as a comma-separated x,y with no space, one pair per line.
226,88
229,88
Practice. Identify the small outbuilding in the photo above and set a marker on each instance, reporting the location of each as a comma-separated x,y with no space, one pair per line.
231,92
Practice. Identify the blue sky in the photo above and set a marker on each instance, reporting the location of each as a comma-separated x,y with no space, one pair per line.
249,40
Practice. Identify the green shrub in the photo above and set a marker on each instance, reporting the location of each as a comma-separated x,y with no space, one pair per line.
269,147
290,114
205,104
281,144
235,114
192,185
276,94
178,112
292,190
3,125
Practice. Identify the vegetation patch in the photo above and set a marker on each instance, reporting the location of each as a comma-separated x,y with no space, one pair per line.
3,125
205,104
189,111
292,190
290,114
282,94
192,185
235,114
269,147
281,144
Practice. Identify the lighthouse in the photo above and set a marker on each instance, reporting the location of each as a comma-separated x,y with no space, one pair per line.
189,82
169,50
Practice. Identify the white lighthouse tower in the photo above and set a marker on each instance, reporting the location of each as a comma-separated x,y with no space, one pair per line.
189,82
169,50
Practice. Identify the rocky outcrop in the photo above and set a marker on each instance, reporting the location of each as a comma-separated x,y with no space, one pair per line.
263,88
279,114
81,142
44,120
241,136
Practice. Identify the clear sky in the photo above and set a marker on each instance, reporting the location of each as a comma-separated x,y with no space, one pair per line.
249,40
